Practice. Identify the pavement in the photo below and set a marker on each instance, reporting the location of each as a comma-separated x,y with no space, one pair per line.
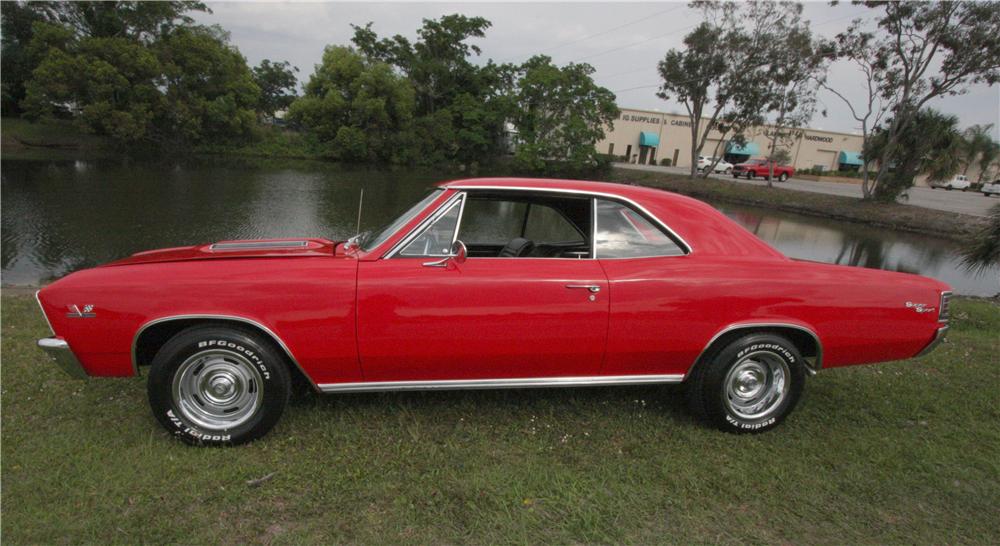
971,203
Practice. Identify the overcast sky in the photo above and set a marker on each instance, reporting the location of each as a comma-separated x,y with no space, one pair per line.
623,42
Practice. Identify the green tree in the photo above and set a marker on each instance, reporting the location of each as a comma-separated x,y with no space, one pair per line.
189,85
743,62
16,63
560,114
983,250
460,108
931,147
143,22
357,106
209,91
925,50
277,83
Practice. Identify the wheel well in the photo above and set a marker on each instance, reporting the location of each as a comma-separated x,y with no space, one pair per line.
151,338
807,344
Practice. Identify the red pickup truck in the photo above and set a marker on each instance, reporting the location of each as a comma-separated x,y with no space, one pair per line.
760,167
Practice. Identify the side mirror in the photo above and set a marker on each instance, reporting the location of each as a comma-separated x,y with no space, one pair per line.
458,255
459,252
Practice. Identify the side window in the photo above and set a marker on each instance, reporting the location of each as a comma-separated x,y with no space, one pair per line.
436,239
491,221
624,233
546,225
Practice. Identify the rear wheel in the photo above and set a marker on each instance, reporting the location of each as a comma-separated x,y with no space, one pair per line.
783,177
218,385
748,386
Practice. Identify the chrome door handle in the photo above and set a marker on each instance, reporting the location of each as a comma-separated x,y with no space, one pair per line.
593,288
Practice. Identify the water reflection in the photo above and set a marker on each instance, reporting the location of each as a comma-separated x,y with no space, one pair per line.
855,245
63,215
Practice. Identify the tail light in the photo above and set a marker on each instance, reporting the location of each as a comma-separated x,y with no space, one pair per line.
944,310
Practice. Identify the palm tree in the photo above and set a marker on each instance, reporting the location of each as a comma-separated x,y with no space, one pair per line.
932,145
978,146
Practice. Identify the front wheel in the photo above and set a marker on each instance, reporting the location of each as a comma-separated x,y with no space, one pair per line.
218,385
748,386
749,175
728,171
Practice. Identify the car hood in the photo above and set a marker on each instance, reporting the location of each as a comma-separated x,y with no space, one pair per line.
247,248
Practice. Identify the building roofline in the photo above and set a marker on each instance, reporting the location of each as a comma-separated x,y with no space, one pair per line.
685,117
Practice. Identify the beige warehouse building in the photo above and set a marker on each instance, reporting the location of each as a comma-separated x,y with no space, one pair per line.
648,137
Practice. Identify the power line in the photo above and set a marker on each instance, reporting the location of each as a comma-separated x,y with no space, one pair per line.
672,32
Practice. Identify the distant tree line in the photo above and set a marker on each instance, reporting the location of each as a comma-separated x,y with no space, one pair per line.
144,73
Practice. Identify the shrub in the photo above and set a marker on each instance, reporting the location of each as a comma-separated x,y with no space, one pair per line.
665,162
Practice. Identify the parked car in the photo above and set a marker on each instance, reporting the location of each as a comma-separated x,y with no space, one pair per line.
957,182
721,165
760,168
991,188
482,284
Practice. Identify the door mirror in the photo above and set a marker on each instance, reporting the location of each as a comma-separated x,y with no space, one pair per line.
459,252
458,255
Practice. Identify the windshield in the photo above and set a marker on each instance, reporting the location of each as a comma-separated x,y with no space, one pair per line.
370,239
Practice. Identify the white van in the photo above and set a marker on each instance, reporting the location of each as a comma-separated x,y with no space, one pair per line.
957,182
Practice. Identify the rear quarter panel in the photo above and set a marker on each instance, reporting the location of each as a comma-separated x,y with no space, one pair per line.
664,311
308,302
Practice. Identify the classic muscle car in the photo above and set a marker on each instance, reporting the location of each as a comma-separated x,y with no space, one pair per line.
487,283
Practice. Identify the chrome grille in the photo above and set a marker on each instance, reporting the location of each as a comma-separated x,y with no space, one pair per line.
944,312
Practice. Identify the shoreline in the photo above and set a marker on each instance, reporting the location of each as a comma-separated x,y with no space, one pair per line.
61,140
912,219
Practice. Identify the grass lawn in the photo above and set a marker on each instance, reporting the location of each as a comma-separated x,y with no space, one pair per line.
836,207
906,452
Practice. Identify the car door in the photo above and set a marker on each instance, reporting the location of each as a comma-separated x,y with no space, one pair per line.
424,317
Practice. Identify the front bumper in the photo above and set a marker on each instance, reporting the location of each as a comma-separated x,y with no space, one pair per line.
938,338
59,350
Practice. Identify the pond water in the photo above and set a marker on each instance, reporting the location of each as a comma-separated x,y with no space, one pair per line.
62,215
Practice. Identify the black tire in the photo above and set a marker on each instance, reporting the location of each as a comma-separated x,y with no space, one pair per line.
749,175
707,387
783,177
257,374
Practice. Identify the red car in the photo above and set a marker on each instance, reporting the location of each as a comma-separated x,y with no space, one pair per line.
487,283
761,168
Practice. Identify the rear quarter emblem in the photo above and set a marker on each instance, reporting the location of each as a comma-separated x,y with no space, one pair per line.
920,307
76,312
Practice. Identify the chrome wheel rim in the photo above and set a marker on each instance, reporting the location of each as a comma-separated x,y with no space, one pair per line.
757,385
218,389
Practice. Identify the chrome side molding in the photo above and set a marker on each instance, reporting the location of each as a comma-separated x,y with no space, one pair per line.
513,383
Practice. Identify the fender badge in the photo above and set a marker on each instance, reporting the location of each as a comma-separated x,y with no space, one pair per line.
75,312
920,307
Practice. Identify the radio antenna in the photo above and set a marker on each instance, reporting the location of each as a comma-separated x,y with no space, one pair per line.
361,201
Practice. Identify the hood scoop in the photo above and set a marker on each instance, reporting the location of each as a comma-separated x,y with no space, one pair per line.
256,245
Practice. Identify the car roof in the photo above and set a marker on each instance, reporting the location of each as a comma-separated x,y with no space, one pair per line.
703,227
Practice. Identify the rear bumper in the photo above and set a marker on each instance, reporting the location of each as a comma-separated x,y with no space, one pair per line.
59,350
938,338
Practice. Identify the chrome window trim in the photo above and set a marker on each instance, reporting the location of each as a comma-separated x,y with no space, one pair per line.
512,383
593,228
265,329
445,208
684,244
47,321
756,325
223,247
